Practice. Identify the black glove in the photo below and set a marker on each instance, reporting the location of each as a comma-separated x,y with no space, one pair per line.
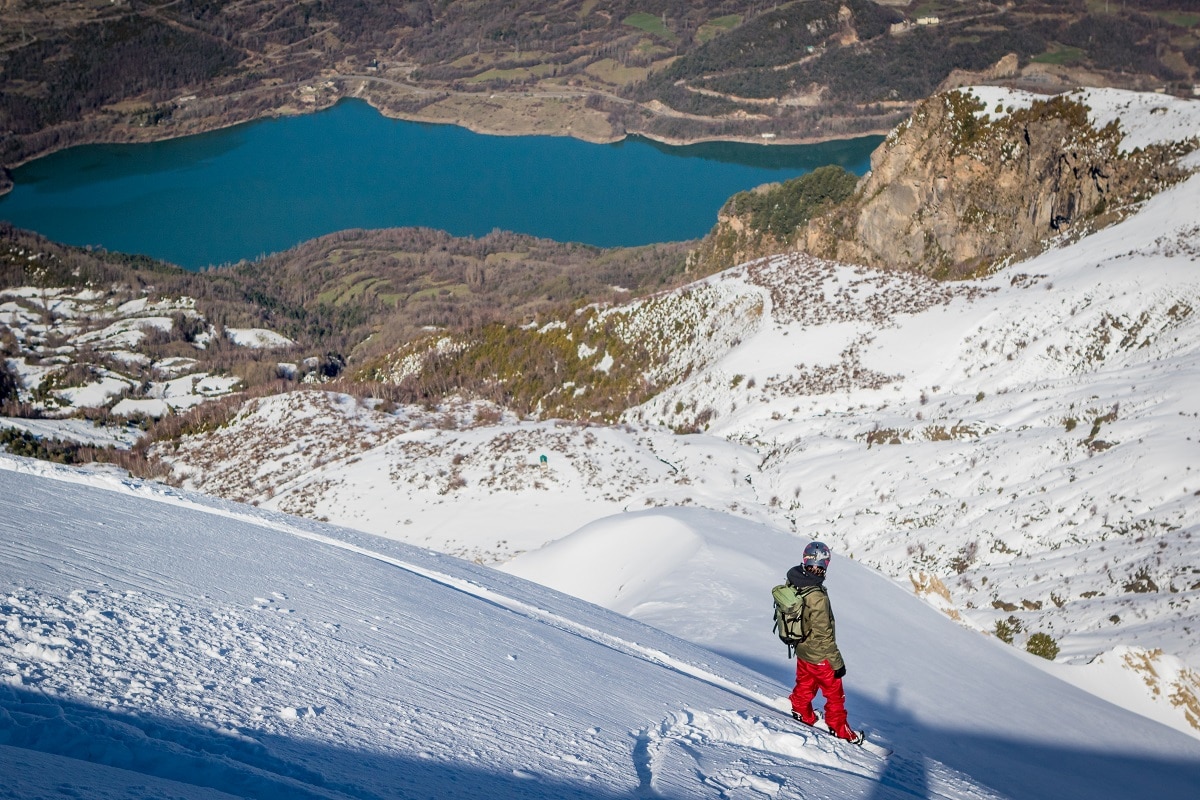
840,672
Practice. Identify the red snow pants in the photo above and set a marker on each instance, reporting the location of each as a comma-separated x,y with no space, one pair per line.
810,678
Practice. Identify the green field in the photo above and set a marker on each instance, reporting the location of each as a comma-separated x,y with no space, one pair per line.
515,74
1180,19
715,27
650,24
933,8
612,72
1060,55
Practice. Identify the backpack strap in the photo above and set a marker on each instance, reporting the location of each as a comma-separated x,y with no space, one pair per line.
804,593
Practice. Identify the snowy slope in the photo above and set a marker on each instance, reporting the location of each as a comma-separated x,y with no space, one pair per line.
257,655
161,643
1020,450
916,677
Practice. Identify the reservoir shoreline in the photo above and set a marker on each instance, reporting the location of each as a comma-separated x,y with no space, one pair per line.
241,192
477,113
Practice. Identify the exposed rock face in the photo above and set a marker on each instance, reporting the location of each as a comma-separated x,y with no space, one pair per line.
1006,67
953,190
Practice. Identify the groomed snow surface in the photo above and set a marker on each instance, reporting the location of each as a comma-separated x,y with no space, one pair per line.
158,643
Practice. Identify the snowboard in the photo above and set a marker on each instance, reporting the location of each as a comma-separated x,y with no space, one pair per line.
820,728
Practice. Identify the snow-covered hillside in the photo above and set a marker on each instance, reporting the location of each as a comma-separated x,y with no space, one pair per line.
79,349
158,643
1019,450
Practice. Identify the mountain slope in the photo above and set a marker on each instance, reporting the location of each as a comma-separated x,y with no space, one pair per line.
160,641
1019,450
672,70
264,656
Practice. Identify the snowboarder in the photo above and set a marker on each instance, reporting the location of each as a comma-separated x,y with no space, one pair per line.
819,664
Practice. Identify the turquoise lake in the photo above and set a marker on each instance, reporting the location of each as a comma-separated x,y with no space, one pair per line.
265,186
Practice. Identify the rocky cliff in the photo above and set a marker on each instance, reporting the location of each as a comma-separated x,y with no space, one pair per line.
960,186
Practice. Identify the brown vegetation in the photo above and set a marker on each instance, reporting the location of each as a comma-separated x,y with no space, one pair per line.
670,69
346,300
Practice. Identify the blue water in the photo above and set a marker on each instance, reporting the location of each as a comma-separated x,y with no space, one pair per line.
265,186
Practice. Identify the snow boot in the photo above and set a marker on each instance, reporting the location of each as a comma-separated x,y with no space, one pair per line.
851,736
796,715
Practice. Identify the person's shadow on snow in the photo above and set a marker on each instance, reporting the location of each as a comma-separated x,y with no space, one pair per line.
903,775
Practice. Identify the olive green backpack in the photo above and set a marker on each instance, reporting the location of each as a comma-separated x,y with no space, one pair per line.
789,614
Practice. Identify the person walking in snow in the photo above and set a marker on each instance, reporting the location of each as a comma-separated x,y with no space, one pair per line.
819,664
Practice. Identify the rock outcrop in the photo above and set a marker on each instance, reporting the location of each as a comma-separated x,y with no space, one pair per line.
959,187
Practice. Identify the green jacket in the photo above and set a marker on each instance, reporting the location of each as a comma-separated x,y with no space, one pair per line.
821,643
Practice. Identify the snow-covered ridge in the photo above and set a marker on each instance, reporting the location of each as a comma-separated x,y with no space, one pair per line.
1034,449
1145,118
259,338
